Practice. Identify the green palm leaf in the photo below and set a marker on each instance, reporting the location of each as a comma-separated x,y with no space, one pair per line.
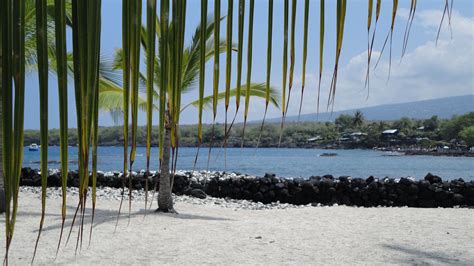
390,34
7,125
202,74
215,87
269,66
86,47
256,90
240,51
12,66
135,37
446,11
249,67
340,23
150,63
228,69
305,52
292,51
42,46
285,67
411,17
321,48
369,23
95,141
126,5
217,10
369,52
61,66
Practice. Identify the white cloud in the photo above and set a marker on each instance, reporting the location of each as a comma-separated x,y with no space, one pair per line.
428,71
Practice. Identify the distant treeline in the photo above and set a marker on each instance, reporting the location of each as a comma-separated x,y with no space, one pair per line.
308,134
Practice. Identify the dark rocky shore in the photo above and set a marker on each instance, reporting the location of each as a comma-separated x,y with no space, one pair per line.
430,192
435,153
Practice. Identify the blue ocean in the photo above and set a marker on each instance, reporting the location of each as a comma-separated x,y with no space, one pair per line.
283,162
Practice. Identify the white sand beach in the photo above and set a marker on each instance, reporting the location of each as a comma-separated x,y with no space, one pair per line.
213,234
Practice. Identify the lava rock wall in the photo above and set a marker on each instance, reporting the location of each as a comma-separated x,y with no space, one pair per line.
430,192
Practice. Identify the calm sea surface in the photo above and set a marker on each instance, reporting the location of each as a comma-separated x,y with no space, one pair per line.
283,162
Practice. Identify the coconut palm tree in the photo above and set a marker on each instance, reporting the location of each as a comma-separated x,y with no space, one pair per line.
111,85
358,119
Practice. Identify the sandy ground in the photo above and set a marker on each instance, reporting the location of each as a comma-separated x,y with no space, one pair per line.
203,234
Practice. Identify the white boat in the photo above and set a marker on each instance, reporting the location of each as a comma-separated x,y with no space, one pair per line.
33,147
393,153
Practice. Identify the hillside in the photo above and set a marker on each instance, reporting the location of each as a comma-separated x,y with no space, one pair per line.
444,108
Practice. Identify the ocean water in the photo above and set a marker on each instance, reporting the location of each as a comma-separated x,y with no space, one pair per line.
283,162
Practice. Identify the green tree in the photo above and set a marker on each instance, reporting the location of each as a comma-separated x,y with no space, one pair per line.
344,122
358,119
450,129
405,125
432,123
467,134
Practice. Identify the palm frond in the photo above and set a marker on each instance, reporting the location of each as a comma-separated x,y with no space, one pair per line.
86,47
406,35
62,73
292,51
269,66
389,35
150,63
321,48
42,46
215,87
240,52
369,23
369,52
126,5
340,23
258,90
249,67
135,38
202,74
305,52
446,11
228,69
6,117
285,67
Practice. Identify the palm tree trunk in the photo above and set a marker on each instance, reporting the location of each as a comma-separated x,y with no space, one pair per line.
165,201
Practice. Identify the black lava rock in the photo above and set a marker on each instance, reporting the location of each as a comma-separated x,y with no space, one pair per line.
433,179
198,193
430,192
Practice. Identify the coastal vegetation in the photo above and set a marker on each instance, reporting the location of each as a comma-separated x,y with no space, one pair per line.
423,133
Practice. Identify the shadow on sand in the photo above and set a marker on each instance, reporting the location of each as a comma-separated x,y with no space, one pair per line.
417,256
106,216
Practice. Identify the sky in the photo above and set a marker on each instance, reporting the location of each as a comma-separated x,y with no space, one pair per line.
427,70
